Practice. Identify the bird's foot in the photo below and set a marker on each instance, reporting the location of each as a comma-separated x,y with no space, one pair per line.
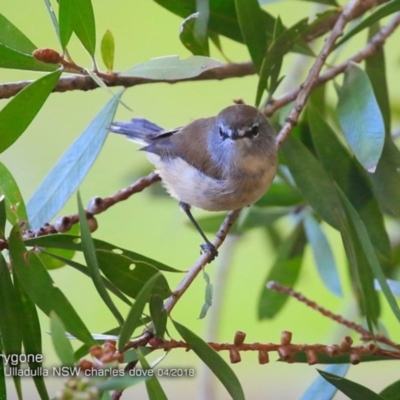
210,249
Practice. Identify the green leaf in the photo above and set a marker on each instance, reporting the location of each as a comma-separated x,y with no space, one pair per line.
61,344
13,59
251,21
84,25
361,235
312,181
323,256
172,68
381,12
320,389
360,117
71,169
391,392
13,122
375,67
352,179
158,315
3,388
386,179
280,194
153,387
13,38
351,389
77,16
132,321
208,296
189,38
129,275
223,19
10,327
108,50
213,361
285,270
85,270
16,49
73,242
66,15
14,203
41,289
31,334
3,217
273,58
92,263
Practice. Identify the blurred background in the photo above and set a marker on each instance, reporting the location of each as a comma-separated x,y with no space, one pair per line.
152,224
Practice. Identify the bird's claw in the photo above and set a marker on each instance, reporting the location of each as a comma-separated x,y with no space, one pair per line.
210,249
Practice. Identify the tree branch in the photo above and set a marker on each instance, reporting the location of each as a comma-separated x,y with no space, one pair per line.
372,46
291,120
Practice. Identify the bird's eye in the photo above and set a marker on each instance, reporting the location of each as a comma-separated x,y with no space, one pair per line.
253,132
222,133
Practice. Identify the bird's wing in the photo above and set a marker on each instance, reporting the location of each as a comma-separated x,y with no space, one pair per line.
188,143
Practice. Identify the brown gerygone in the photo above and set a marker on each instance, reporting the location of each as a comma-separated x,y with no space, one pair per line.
219,163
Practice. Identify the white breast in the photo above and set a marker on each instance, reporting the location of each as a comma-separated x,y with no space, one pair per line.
191,186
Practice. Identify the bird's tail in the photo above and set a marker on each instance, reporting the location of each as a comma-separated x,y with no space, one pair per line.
139,130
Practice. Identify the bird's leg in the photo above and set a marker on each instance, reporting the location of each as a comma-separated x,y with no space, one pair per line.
207,246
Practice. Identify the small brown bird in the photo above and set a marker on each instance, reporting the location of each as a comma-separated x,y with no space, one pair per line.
218,163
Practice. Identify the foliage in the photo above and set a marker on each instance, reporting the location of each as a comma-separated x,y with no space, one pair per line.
339,167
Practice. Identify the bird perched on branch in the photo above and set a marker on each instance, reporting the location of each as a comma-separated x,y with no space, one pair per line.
217,164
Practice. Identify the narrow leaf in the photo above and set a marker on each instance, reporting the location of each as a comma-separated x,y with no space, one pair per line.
10,326
372,261
13,122
66,16
153,387
312,181
360,117
61,344
323,256
108,50
381,12
285,270
386,179
71,169
13,38
41,289
85,270
89,253
133,319
223,18
53,18
351,389
190,40
394,286
172,68
351,178
84,24
31,335
321,389
3,218
14,203
252,26
213,361
375,67
391,392
158,315
121,382
73,242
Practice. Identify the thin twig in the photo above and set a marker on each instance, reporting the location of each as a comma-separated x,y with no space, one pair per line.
232,70
372,46
95,206
366,335
305,88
